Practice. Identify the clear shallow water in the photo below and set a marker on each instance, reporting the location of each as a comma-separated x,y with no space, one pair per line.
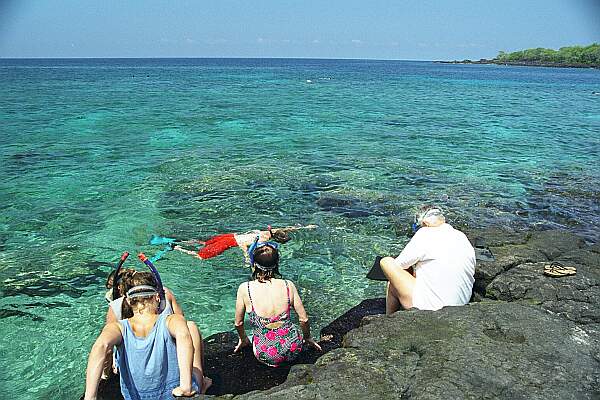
96,155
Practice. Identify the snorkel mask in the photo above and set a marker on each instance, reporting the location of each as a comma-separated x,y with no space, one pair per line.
257,245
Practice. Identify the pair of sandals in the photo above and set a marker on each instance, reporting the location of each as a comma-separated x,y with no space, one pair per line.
557,270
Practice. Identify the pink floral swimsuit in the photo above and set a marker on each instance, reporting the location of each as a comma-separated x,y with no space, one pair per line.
275,346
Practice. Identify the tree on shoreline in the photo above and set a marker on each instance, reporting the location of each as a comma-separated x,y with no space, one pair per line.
584,55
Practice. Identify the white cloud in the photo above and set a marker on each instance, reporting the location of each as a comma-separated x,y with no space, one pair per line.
357,41
316,41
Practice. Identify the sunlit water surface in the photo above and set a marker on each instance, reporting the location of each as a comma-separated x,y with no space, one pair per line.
97,155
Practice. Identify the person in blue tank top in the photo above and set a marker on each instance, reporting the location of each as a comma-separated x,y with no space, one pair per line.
154,350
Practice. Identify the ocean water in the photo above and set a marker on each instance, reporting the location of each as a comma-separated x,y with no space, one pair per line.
98,155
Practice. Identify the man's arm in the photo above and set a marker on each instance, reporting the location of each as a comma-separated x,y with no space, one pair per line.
410,255
110,336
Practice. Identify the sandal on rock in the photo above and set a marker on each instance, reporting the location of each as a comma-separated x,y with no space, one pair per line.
557,270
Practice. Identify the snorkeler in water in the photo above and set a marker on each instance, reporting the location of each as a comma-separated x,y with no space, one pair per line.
218,244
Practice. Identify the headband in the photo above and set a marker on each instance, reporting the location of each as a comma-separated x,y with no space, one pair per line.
141,291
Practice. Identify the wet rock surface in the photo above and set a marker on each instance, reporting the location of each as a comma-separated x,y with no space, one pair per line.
528,336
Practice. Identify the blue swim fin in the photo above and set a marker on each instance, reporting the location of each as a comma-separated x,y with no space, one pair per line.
161,253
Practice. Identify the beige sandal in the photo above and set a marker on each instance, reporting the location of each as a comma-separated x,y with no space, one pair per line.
557,270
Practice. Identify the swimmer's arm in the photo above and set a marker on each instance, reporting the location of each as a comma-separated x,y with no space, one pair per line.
170,297
240,311
295,228
110,336
178,329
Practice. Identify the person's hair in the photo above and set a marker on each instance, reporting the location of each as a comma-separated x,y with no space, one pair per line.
431,214
136,278
110,280
266,263
280,236
123,282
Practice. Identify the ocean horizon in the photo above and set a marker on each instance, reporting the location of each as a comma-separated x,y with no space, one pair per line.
98,154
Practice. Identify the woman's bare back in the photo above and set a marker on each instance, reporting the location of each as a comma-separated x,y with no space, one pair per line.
270,298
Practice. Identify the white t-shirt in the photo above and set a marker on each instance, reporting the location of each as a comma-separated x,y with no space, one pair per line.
444,264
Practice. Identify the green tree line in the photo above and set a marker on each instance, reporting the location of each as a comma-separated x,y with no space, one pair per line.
587,55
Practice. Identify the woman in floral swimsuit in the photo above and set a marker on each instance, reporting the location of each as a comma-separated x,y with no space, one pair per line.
275,338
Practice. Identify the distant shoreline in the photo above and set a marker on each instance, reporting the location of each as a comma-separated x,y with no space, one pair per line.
520,63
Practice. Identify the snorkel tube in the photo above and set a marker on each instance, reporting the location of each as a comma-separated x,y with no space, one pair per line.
251,250
116,278
145,260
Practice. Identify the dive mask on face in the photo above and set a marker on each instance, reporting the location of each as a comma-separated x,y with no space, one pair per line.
257,245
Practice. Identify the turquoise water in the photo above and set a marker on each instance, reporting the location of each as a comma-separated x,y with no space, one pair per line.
97,155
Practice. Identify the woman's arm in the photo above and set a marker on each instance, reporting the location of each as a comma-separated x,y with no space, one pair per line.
240,313
110,336
302,317
178,329
170,297
110,316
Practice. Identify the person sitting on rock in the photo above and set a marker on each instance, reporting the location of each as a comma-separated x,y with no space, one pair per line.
443,262
119,309
276,339
218,244
154,350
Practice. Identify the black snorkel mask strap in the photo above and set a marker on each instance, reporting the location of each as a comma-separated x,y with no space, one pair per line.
116,278
145,260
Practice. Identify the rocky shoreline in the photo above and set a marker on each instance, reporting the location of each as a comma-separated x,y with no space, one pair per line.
524,336
520,63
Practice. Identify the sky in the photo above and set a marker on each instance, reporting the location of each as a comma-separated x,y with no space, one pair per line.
376,29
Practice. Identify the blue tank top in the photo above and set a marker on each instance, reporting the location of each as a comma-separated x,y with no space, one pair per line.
148,366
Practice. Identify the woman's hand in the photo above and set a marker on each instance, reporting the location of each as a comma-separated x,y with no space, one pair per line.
241,343
179,392
311,342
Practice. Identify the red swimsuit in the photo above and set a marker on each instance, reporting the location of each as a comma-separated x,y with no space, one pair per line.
217,245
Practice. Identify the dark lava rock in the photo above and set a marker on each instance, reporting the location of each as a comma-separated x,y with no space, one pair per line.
488,350
554,243
241,373
510,249
575,297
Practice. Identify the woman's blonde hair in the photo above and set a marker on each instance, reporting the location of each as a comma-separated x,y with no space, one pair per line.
138,303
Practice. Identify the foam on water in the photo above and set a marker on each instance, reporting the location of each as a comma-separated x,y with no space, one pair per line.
97,155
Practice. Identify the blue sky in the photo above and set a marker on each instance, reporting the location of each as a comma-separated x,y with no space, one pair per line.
400,29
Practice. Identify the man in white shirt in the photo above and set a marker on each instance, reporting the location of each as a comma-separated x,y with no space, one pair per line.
443,261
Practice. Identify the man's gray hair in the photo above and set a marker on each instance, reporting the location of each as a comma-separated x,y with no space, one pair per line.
431,214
